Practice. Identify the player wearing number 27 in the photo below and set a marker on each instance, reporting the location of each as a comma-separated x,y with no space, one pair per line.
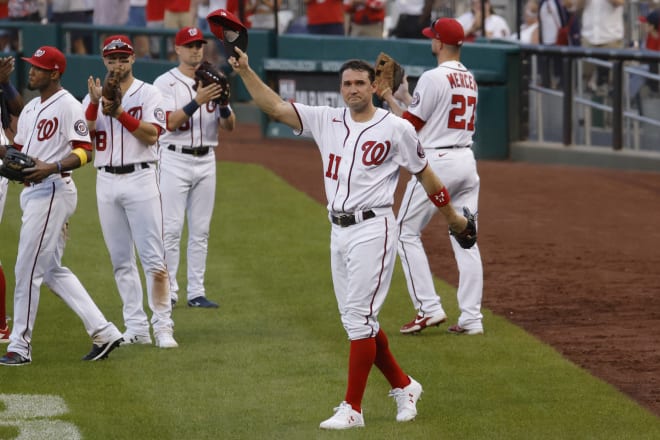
362,148
127,193
52,130
187,162
442,110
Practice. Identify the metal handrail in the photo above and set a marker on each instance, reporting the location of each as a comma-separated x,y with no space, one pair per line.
613,58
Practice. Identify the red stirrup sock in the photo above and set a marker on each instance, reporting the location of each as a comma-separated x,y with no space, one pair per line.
387,364
360,360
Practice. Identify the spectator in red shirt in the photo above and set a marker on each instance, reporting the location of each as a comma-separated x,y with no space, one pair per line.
367,18
180,14
325,17
652,21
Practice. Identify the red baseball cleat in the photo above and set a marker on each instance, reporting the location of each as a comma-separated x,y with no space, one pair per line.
421,322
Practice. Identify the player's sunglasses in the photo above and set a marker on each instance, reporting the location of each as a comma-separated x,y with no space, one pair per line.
117,45
435,33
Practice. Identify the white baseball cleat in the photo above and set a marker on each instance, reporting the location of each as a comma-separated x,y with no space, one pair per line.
345,418
406,400
132,338
458,330
165,340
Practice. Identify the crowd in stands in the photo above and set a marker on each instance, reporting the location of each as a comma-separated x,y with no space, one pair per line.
589,23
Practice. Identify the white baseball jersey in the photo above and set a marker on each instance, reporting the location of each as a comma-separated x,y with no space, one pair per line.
202,127
142,101
454,125
45,129
444,111
361,160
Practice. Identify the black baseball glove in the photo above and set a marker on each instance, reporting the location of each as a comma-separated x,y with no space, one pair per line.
111,93
14,163
208,74
468,237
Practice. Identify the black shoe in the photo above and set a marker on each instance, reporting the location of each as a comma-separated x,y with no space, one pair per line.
12,359
173,302
201,301
100,352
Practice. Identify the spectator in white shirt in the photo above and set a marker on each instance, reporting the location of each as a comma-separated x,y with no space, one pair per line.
602,26
472,22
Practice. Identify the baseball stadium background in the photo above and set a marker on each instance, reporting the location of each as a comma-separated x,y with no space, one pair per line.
568,233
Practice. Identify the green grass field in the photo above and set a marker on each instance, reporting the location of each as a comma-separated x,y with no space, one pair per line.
270,363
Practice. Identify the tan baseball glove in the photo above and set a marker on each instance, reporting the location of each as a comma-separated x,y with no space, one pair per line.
111,93
389,74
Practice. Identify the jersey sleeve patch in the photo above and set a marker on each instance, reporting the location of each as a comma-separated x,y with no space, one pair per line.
80,127
159,114
420,150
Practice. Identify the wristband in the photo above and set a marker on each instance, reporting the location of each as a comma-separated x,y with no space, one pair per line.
82,155
9,90
441,198
128,121
92,111
190,108
59,166
225,112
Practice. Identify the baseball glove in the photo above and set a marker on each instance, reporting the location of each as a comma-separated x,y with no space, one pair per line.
14,163
389,74
208,74
111,93
468,237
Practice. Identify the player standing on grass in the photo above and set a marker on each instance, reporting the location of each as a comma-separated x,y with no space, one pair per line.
187,162
127,192
11,104
51,130
442,110
362,148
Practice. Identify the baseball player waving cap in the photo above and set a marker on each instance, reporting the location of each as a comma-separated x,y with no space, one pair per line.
189,35
447,30
48,58
117,44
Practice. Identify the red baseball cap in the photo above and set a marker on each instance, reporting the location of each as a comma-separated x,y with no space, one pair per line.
189,35
229,29
447,30
117,44
48,58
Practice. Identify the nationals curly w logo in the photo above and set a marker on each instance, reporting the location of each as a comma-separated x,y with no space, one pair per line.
136,112
375,153
46,128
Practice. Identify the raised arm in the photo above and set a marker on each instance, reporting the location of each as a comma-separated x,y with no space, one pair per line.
264,97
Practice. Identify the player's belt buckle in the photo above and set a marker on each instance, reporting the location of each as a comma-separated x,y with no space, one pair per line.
197,151
345,220
201,151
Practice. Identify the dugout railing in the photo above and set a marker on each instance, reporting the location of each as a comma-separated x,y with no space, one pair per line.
621,112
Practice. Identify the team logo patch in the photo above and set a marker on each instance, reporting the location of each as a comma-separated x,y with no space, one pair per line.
159,114
420,150
415,100
81,128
